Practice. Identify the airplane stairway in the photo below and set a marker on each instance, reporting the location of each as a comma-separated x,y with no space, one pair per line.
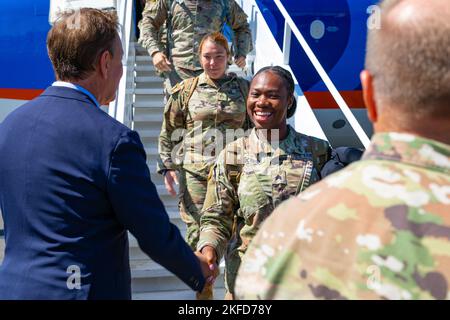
150,280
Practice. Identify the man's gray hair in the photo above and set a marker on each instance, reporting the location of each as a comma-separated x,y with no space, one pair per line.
409,57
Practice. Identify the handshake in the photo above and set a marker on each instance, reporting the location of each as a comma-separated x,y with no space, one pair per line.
210,269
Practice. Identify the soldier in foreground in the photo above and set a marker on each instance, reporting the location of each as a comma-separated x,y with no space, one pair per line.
256,173
186,22
379,229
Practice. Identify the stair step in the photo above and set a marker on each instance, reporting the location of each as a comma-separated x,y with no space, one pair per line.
144,57
152,158
149,133
151,151
145,68
164,281
147,125
149,79
169,283
173,215
149,118
219,294
141,271
146,263
141,50
148,141
158,104
147,268
152,91
152,167
148,275
166,295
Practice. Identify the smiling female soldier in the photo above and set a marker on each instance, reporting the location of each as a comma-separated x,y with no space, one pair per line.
256,173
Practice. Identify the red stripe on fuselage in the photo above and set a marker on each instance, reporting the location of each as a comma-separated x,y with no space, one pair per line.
316,99
20,94
324,99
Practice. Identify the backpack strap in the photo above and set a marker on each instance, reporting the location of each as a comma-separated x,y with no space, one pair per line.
243,86
322,154
191,85
185,90
234,163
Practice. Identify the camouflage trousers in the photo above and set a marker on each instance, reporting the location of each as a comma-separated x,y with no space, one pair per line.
232,263
175,76
192,196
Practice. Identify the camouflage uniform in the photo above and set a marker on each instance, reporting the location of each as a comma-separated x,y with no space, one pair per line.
191,21
249,180
211,107
379,229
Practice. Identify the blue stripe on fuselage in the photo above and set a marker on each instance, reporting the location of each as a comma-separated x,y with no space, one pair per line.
23,54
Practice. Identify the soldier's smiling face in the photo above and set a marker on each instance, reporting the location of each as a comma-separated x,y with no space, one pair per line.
213,59
268,101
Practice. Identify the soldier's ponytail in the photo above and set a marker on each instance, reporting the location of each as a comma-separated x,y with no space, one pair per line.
292,107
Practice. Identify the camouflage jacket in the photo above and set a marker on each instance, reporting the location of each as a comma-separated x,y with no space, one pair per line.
250,178
194,131
191,21
378,229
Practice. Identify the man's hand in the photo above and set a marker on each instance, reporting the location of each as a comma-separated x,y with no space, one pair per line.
240,62
161,62
210,270
169,179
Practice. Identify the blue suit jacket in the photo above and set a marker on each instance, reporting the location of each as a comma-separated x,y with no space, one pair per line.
72,181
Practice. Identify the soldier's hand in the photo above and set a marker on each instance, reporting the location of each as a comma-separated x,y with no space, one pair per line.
169,179
161,62
240,62
211,258
209,273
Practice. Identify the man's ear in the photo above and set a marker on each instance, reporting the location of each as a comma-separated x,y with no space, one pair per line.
368,95
104,63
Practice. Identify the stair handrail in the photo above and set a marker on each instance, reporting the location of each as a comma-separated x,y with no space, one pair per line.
291,27
120,108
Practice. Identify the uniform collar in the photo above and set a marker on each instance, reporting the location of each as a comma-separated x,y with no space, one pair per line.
203,79
410,149
258,145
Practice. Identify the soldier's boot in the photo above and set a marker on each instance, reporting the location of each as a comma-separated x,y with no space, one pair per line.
207,293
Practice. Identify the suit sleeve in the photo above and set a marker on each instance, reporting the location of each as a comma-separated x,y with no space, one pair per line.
137,206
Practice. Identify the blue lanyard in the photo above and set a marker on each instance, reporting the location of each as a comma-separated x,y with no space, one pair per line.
78,88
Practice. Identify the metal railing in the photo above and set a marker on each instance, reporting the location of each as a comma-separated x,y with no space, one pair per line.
121,107
291,27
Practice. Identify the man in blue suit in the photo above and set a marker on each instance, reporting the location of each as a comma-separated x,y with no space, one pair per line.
73,180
